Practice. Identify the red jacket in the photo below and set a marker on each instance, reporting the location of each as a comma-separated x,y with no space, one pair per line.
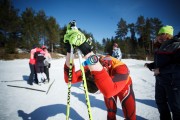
110,83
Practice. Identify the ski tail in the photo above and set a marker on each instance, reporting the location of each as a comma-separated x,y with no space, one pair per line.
69,84
26,88
85,87
50,87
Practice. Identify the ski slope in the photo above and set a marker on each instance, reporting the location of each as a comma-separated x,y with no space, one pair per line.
23,104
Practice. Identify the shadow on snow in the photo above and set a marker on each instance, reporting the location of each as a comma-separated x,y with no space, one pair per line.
100,104
151,103
42,113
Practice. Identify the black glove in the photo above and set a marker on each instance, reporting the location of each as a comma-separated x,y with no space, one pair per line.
149,65
68,48
86,47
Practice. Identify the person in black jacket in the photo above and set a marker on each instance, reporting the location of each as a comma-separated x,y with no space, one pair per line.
166,68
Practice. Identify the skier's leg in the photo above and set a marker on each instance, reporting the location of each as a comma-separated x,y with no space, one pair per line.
127,99
161,101
42,73
174,102
44,76
30,80
39,76
47,74
46,71
111,107
38,70
35,74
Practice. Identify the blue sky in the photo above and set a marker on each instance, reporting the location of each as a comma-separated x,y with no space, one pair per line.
100,17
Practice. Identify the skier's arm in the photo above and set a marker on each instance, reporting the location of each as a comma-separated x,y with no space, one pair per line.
173,66
102,78
68,60
76,75
97,66
105,83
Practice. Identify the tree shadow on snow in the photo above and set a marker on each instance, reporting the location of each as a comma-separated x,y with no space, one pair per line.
151,103
100,104
42,113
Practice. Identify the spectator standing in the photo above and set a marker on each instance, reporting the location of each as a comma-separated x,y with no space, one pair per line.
47,63
166,68
32,62
116,52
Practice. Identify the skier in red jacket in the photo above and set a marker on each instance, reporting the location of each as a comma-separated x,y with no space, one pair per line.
110,76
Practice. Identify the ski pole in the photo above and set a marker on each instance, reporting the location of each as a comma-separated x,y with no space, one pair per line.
85,86
69,83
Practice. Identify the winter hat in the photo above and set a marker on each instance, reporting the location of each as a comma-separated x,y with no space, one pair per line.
166,29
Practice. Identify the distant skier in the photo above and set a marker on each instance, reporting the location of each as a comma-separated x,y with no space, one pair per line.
109,75
117,52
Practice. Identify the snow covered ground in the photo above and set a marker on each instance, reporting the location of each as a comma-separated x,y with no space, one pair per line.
23,104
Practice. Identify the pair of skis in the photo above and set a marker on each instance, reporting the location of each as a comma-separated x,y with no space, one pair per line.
29,88
84,85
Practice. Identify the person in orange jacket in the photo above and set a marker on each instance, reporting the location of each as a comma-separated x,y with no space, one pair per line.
113,81
108,74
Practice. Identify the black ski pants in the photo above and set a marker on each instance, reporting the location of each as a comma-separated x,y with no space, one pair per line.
46,71
32,74
167,96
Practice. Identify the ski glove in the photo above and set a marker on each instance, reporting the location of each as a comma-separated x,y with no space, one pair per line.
86,47
74,37
149,65
68,47
78,39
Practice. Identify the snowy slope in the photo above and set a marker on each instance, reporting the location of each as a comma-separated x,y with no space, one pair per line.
23,104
